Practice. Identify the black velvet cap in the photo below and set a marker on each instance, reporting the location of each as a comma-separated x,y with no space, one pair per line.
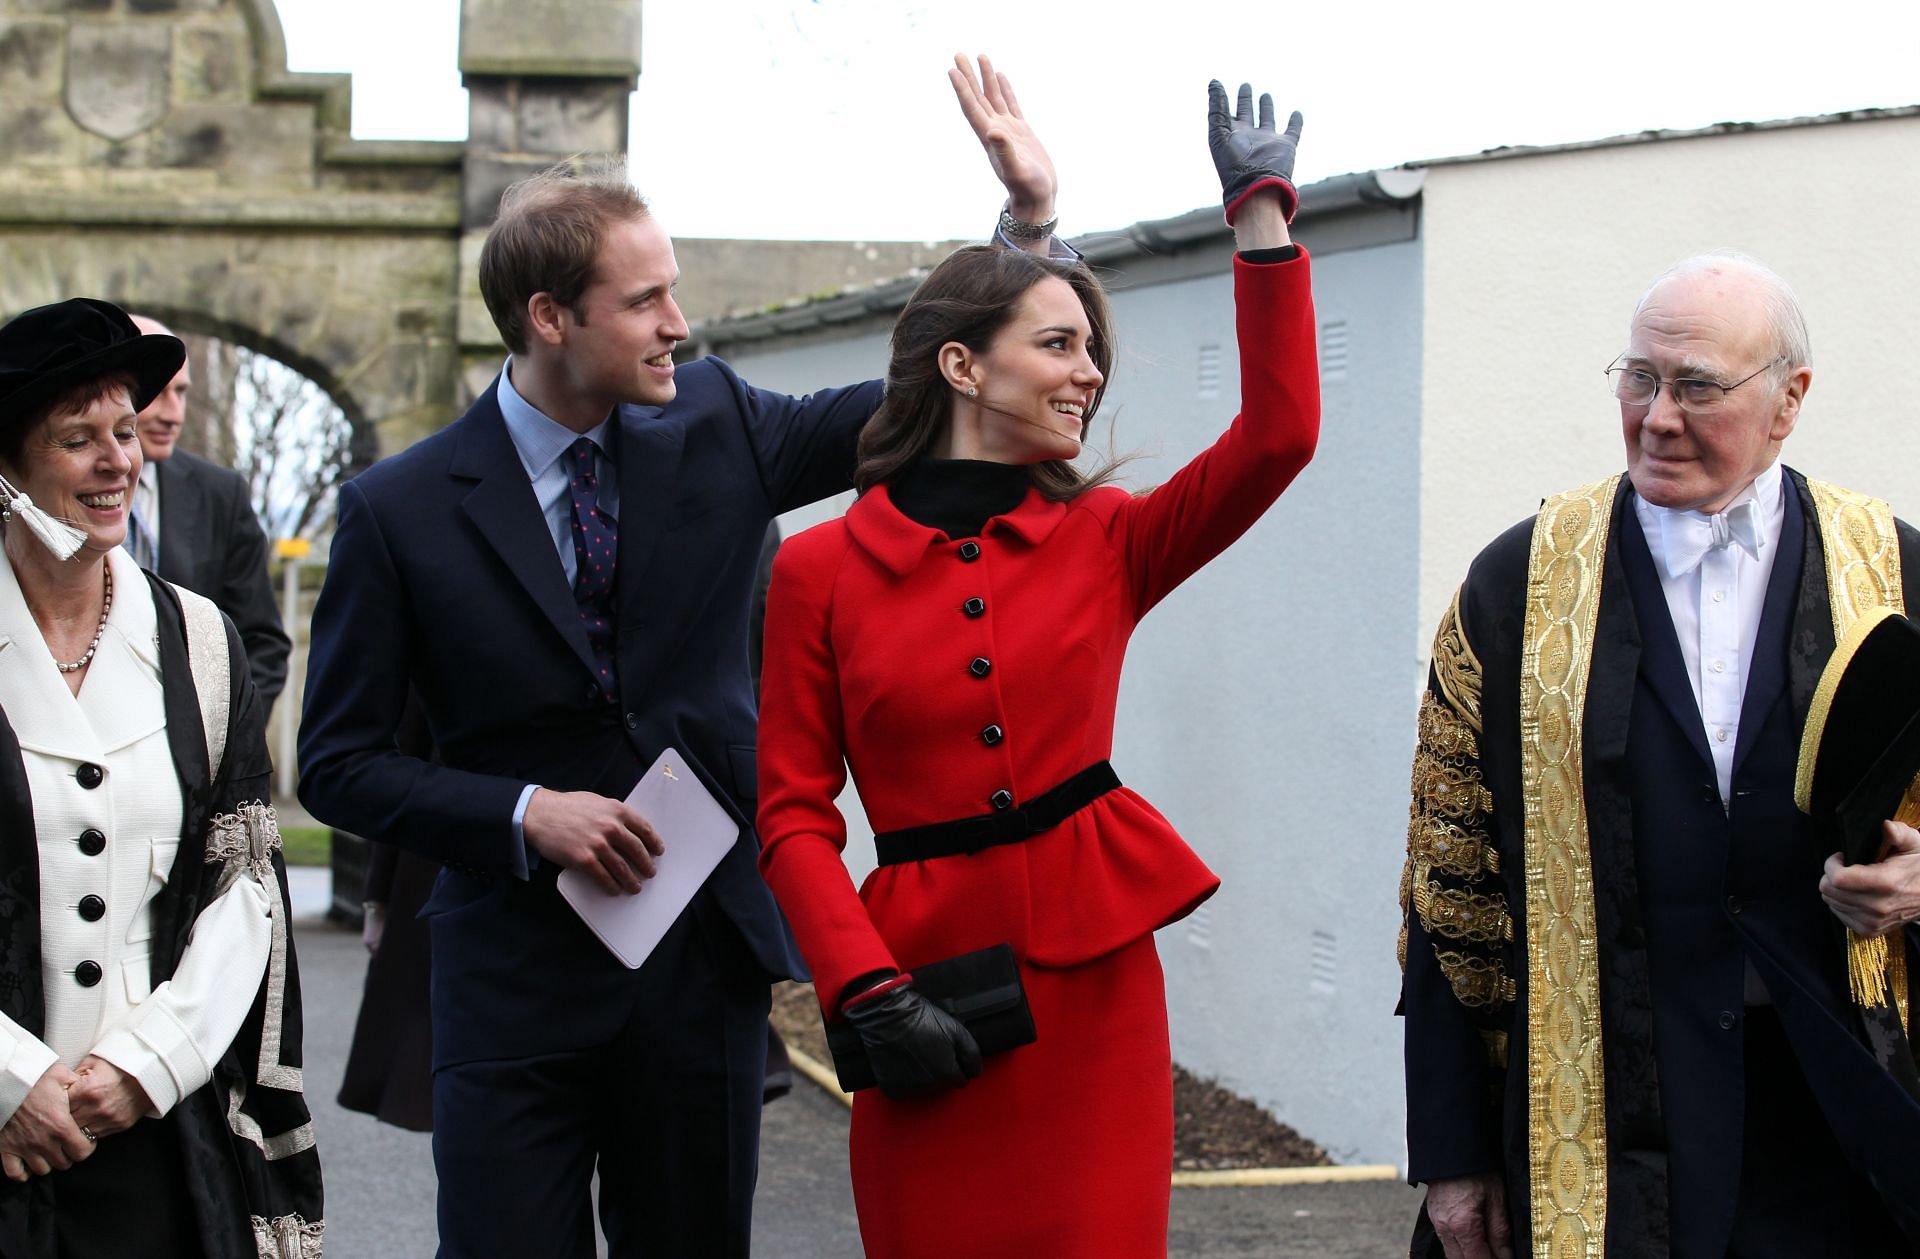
50,349
1860,751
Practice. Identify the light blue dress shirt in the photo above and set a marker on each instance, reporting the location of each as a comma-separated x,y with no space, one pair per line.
540,442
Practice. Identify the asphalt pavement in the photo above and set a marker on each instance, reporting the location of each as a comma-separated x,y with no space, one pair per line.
380,1182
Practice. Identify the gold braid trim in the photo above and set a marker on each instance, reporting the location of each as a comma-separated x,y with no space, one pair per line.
1862,550
1477,981
1447,833
1463,915
1566,1077
1456,668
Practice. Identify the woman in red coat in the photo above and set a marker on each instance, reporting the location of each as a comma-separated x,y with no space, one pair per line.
956,639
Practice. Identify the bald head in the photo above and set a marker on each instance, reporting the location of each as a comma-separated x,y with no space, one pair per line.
159,425
1716,320
1761,294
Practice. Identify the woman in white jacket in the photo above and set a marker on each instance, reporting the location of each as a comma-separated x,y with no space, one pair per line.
149,1010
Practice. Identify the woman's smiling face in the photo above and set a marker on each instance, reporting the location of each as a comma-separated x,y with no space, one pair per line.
81,467
1036,380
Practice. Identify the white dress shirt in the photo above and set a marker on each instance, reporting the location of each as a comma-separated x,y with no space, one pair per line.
168,1037
1716,603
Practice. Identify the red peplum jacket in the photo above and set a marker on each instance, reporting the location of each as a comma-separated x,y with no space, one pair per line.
872,662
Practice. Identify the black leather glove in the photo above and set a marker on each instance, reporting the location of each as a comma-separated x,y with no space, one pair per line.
1249,156
914,1045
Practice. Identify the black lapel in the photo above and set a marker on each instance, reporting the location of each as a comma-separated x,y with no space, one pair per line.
1664,666
1766,668
1637,1133
646,453
22,997
181,516
1810,639
504,510
177,905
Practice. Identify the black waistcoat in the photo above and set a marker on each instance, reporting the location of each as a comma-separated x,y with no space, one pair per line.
1701,864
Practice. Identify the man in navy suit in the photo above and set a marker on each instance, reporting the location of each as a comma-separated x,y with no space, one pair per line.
1629,1028
563,578
193,524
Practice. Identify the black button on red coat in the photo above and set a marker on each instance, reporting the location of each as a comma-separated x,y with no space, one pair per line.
1003,799
969,551
980,667
87,974
974,607
92,842
992,735
92,908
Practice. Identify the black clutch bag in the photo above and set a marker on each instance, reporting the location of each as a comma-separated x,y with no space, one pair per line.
981,989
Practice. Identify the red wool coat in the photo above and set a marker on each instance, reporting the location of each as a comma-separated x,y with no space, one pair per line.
870,663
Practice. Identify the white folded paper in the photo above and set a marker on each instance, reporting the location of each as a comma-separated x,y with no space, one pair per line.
697,832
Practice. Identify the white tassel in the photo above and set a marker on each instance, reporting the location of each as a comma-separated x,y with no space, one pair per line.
63,539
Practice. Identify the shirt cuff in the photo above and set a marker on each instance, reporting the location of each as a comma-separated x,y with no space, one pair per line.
1057,249
525,859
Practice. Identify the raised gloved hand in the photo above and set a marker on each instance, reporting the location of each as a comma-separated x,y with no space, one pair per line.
1251,157
914,1045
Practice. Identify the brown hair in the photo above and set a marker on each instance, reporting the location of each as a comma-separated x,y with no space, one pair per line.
546,238
969,298
72,401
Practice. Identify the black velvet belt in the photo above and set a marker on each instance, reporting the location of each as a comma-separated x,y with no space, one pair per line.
1004,826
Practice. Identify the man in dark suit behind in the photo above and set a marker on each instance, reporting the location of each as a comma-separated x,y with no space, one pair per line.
193,524
563,576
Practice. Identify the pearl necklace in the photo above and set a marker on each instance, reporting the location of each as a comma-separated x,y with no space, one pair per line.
99,630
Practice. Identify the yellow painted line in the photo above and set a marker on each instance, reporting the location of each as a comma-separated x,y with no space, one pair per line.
808,1066
1239,1177
1248,1177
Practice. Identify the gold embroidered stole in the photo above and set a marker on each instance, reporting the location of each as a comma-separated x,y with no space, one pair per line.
1862,551
1566,1083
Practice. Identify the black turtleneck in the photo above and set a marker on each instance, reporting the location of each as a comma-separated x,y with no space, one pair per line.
958,496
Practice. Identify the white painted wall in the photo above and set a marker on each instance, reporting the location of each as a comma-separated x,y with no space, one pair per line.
1533,267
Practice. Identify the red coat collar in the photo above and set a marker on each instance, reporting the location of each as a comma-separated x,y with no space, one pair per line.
899,543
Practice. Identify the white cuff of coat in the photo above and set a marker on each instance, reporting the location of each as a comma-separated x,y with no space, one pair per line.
27,1059
170,1041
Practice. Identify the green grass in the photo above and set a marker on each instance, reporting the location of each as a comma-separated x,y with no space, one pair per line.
306,845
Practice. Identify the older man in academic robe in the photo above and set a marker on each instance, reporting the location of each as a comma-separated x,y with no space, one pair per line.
1629,1024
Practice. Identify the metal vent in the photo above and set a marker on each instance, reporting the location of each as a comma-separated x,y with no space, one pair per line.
1320,961
1333,350
1209,371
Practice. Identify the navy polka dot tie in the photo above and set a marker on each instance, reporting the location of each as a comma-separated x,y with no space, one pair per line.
595,550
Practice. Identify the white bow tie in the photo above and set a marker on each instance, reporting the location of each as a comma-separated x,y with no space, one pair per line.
1687,536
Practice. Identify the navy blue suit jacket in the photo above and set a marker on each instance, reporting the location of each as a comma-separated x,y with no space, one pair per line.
444,578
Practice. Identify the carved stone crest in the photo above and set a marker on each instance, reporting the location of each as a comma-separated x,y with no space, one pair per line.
119,76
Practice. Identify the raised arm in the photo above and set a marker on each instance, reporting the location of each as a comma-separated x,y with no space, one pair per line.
1202,508
1019,160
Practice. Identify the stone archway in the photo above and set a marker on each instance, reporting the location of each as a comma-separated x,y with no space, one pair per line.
158,153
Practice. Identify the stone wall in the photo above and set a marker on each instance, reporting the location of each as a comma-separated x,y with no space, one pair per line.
157,153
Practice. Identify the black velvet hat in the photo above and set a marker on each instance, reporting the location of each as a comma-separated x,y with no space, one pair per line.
1860,751
50,349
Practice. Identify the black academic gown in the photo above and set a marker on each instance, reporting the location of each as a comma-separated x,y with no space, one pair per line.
1685,893
229,1177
